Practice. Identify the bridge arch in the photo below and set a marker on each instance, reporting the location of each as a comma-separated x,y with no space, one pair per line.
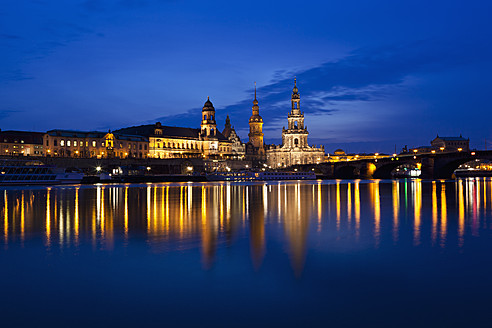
347,172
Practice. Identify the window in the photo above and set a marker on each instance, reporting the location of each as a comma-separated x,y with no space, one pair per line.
62,142
102,144
55,142
47,142
145,147
22,141
121,145
75,143
205,117
93,143
296,141
140,147
68,143
87,143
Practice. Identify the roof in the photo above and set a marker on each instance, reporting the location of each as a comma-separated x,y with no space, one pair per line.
94,134
26,137
148,130
452,138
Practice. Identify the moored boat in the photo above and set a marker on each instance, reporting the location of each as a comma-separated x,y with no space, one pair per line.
21,172
260,176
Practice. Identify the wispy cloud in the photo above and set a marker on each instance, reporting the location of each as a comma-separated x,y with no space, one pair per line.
367,75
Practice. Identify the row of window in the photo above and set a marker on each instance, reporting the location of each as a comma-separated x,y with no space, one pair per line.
80,143
15,141
177,145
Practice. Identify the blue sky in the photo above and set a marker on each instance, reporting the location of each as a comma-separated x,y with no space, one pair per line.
372,74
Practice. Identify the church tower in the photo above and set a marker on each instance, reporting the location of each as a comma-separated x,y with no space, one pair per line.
208,126
256,127
296,134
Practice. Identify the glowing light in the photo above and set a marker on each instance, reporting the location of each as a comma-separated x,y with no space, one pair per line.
6,218
98,168
396,208
357,209
434,212
444,216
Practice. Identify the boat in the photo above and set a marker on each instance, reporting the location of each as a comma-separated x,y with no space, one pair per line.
260,176
21,172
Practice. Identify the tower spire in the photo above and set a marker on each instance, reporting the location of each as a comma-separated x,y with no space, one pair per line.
255,90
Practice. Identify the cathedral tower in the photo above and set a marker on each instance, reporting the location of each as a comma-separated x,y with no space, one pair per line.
208,126
296,134
256,126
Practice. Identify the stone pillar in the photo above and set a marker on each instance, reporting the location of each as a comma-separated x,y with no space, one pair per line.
427,168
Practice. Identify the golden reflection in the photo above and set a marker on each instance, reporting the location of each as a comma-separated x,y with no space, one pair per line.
23,217
377,210
461,213
444,215
257,227
181,206
484,195
48,217
6,218
296,224
103,215
349,203
125,218
434,212
167,208
76,223
338,205
154,217
148,208
172,221
319,206
396,208
357,209
417,210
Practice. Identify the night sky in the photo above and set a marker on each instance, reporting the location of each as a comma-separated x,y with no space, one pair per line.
371,74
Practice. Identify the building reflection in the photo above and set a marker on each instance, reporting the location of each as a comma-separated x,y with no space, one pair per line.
213,216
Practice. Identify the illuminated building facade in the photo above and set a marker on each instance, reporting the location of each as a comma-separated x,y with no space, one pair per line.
21,143
180,142
66,143
451,143
255,149
295,148
237,147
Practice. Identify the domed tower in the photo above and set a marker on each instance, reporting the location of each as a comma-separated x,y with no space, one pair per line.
256,126
209,126
296,133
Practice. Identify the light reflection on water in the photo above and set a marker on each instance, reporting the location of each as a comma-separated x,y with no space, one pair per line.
177,216
297,252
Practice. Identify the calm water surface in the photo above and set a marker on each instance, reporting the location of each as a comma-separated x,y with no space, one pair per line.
332,253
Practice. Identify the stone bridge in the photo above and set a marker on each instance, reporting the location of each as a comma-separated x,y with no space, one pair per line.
433,165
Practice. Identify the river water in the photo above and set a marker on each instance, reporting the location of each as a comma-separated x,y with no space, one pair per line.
345,253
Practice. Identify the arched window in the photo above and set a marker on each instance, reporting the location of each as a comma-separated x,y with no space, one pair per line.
295,124
212,117
296,142
205,117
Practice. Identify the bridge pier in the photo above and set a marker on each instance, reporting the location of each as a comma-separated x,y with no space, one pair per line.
427,167
367,170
